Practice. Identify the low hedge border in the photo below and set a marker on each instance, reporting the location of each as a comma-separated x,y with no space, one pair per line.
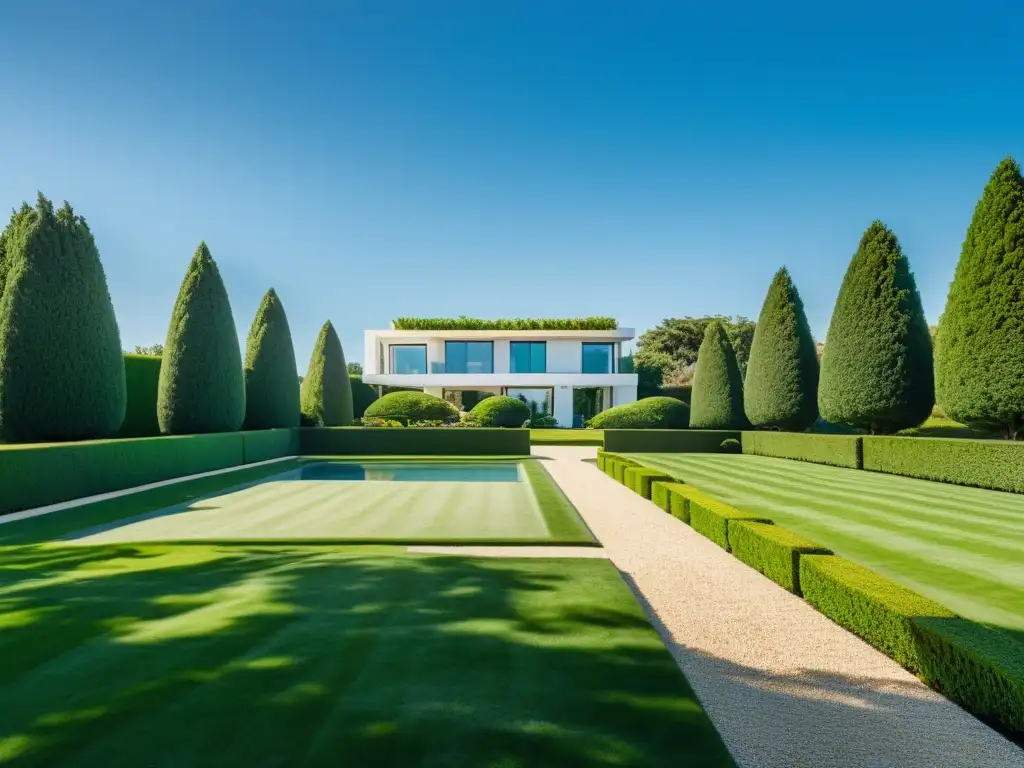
413,441
601,458
712,518
834,450
994,464
670,496
772,551
667,440
639,479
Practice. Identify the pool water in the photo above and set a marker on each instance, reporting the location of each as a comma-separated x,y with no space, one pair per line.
412,473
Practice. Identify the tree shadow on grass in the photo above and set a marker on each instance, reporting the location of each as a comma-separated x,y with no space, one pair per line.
248,655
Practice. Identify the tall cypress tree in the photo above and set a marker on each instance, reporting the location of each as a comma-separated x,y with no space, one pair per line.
327,390
781,386
202,388
271,377
980,358
61,367
717,399
877,367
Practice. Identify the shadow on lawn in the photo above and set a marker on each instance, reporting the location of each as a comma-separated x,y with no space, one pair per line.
248,655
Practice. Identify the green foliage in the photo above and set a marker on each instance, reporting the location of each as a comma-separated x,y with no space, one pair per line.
266,444
355,369
670,496
414,441
34,476
992,464
771,550
679,340
651,369
500,411
413,406
667,440
639,479
618,466
836,450
271,379
717,401
362,396
153,350
202,388
142,376
326,392
61,367
649,413
463,323
712,518
781,384
980,360
684,393
730,445
876,370
871,606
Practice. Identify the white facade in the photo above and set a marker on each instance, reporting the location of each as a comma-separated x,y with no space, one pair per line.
539,365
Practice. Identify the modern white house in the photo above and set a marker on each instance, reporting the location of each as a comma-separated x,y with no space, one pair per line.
570,375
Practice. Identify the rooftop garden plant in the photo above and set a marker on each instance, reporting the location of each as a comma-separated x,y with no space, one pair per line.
463,323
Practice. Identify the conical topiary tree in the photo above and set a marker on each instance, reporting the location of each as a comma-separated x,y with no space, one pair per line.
781,386
877,367
980,357
202,388
61,366
271,378
327,390
717,399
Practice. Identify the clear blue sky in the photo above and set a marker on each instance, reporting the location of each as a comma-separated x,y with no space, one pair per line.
379,158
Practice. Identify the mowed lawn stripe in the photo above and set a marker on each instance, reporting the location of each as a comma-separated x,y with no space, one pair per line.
982,580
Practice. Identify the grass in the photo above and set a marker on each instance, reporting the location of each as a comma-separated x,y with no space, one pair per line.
242,655
962,547
566,437
270,506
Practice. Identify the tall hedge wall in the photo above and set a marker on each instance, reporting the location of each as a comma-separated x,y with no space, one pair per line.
142,374
990,464
667,440
414,441
837,450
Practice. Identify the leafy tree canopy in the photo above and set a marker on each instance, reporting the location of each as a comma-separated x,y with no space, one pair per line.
667,353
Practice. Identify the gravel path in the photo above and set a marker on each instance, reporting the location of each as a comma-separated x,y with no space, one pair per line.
784,686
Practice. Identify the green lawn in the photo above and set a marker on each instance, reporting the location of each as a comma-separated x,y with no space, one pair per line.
567,437
264,505
962,547
240,655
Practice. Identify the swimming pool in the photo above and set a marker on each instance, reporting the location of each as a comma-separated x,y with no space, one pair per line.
418,472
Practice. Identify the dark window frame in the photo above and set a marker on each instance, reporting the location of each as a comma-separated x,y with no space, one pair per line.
613,364
467,341
511,356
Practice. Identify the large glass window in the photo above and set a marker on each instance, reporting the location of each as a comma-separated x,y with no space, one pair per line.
598,358
469,357
528,357
538,399
409,358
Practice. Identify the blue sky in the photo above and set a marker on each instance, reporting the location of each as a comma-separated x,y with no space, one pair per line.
377,159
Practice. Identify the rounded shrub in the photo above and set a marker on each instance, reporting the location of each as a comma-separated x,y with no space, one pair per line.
717,398
649,413
980,356
781,385
412,406
500,411
62,373
326,393
271,378
202,388
730,445
877,366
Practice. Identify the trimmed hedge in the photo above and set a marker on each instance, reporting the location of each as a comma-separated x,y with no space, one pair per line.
47,473
990,464
500,411
266,444
414,441
412,406
871,606
711,518
601,458
142,375
667,440
835,450
639,479
325,396
271,379
619,467
648,413
463,323
717,399
979,667
671,497
771,550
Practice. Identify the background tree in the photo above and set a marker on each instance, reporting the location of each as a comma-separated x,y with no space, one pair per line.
355,368
781,386
156,350
326,394
61,367
877,367
271,378
980,360
202,388
717,401
671,348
